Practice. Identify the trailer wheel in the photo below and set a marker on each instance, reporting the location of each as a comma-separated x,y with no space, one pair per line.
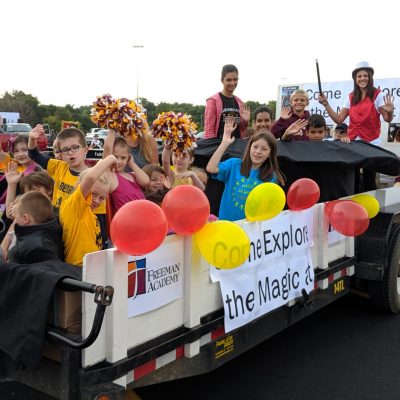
385,295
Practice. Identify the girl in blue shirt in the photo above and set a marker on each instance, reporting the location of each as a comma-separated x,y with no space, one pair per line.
259,165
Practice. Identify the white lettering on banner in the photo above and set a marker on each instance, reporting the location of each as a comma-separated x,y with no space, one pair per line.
285,234
157,278
265,288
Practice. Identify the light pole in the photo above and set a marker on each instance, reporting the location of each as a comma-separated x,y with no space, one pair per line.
137,46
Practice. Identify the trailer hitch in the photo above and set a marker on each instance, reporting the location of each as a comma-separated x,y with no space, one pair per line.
102,297
306,300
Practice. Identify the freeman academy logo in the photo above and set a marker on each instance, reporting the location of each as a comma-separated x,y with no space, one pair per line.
136,278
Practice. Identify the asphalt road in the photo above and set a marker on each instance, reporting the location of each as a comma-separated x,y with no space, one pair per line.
346,351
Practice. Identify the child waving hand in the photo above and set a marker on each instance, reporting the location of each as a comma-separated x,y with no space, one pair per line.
182,174
258,165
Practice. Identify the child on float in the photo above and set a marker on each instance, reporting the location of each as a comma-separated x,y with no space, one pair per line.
81,228
124,186
340,131
258,165
181,161
23,164
316,129
65,172
143,149
19,153
262,121
56,150
17,183
158,181
38,234
293,120
39,181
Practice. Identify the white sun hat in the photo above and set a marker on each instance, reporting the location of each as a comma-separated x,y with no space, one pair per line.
362,65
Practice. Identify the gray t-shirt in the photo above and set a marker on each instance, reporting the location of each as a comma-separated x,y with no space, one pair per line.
138,156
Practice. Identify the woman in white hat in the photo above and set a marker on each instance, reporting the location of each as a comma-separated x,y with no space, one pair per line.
363,106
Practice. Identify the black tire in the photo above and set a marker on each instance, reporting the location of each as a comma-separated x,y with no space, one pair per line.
385,294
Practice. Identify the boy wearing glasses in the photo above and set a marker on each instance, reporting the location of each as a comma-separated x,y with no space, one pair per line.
72,146
65,172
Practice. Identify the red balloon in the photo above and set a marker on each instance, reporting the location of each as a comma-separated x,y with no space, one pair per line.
329,206
138,227
302,194
187,209
349,218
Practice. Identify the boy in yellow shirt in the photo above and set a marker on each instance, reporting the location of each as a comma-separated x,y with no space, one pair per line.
81,230
72,146
65,172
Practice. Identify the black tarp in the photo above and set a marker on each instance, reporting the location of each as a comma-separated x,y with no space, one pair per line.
25,293
335,166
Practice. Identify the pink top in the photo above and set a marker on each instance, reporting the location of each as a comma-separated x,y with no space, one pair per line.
212,116
125,192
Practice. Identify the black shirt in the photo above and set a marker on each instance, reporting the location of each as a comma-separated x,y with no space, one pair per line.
229,107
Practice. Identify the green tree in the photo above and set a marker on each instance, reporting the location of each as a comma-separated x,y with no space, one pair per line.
25,104
33,112
272,106
197,112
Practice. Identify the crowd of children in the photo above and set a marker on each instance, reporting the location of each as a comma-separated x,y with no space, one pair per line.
67,206
59,208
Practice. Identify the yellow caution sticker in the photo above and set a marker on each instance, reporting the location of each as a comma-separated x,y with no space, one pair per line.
224,346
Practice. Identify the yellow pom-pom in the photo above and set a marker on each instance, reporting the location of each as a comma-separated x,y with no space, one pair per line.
123,115
177,128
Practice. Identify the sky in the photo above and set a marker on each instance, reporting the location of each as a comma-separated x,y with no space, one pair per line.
69,52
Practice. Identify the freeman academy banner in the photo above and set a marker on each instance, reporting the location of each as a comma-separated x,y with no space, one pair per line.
155,279
279,267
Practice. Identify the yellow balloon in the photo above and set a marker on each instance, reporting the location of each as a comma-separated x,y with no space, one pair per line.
370,203
265,201
223,244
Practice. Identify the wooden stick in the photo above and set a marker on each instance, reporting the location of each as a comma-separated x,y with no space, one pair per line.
319,78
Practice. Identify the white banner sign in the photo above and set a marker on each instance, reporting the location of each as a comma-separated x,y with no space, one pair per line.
266,287
157,278
285,234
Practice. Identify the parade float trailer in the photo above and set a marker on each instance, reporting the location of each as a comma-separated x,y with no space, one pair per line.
169,314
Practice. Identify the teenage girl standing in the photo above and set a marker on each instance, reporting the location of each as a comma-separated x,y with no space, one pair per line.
224,104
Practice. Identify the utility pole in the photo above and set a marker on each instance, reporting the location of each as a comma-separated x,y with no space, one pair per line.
137,46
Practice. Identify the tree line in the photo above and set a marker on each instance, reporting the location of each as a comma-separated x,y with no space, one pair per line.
33,112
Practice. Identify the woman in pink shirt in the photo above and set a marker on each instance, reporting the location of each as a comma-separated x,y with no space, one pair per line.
225,104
